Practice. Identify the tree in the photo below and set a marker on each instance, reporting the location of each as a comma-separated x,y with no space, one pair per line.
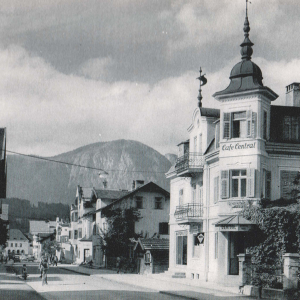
277,233
3,232
115,240
50,247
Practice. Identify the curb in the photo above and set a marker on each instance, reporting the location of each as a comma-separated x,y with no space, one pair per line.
130,284
177,295
73,271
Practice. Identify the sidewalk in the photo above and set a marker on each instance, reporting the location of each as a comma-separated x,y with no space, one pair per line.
14,288
186,288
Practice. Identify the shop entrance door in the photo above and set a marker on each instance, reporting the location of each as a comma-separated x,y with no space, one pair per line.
236,247
181,251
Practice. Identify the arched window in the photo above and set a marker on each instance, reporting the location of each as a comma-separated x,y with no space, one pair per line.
18,251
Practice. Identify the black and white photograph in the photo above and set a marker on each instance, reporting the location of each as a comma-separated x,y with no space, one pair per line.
149,149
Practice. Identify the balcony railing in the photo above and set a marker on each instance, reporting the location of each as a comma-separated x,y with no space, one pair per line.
189,211
189,161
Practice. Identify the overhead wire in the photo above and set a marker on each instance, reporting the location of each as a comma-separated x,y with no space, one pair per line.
77,165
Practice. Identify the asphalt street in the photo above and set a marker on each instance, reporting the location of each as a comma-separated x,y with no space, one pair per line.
63,284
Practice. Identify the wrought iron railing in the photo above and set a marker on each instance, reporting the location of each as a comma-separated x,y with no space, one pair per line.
190,160
190,210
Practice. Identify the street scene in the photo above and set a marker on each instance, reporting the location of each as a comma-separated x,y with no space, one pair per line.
65,282
149,149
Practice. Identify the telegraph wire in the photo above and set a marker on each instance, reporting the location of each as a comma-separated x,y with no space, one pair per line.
76,165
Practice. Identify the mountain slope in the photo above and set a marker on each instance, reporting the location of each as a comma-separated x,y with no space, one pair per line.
124,160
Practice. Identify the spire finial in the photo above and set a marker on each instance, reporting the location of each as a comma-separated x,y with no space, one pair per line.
246,50
203,81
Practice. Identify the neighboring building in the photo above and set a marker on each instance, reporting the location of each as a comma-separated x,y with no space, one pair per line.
152,255
3,167
17,243
66,252
153,203
102,198
81,225
38,240
236,155
36,227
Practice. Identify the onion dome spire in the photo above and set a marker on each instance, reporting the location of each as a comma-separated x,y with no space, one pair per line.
246,50
203,81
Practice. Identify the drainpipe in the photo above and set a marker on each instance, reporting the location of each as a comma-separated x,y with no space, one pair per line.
207,225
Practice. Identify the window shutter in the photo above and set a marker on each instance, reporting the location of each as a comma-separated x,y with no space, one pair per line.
254,126
268,185
216,189
226,124
217,136
224,184
249,123
250,182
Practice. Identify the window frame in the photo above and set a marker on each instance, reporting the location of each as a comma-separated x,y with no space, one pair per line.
250,124
158,203
139,199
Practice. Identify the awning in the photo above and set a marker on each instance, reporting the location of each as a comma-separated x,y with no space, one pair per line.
234,223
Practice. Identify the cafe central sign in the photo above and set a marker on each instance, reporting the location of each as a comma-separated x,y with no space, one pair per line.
238,146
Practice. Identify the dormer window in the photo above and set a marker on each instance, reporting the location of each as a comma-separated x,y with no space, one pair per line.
240,124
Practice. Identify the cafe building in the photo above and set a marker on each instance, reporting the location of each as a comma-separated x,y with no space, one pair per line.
236,154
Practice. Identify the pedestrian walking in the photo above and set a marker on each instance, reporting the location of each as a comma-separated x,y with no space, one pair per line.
40,267
55,260
45,268
118,265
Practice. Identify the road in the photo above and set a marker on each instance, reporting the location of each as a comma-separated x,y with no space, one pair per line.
63,284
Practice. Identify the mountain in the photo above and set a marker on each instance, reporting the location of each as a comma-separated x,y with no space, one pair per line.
41,180
171,158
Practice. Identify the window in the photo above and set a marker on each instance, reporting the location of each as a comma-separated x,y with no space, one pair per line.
147,257
239,124
11,244
238,180
75,234
158,203
265,127
139,202
79,233
20,244
163,228
237,183
70,234
266,189
180,197
194,188
216,189
16,244
291,128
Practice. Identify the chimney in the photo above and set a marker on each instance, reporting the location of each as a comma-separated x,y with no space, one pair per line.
137,183
293,94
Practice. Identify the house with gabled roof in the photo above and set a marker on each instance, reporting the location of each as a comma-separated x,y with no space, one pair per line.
17,243
153,203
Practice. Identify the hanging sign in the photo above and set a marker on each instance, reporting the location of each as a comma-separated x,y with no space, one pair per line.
200,238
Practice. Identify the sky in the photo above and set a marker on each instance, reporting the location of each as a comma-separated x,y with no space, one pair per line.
76,72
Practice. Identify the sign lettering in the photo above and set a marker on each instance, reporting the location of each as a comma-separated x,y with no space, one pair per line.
238,146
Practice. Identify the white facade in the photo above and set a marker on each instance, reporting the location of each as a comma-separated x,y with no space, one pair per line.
17,243
244,151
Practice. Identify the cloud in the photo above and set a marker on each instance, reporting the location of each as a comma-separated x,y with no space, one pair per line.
97,68
47,112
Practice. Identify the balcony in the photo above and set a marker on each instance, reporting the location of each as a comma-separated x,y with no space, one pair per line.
189,213
189,164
